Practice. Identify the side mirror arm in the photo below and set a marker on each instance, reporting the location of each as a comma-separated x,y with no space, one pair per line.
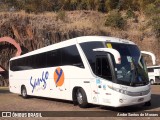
152,56
114,52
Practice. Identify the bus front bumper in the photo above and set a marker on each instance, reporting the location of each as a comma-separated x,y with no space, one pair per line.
121,100
125,100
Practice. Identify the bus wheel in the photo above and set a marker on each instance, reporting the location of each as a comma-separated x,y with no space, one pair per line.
81,98
147,103
24,92
152,82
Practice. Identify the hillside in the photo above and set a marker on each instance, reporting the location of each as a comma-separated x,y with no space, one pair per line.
34,31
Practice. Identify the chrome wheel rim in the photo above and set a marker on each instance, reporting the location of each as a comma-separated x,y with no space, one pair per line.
79,97
24,93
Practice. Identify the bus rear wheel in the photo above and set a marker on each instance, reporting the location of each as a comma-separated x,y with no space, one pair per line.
24,92
81,98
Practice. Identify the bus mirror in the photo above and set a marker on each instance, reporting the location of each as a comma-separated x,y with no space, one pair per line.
152,56
114,52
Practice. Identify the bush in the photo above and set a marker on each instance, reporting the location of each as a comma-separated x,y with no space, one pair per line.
61,15
157,2
150,9
114,19
130,13
82,5
155,23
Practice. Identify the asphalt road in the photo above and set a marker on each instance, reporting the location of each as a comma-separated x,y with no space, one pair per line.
14,102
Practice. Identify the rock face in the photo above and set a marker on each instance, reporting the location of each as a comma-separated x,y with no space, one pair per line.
33,31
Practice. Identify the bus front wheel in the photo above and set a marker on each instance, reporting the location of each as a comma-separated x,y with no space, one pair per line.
81,98
24,92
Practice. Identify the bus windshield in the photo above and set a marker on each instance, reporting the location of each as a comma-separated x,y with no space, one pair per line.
132,71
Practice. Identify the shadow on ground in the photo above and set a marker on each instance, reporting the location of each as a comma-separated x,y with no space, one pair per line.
137,108
4,91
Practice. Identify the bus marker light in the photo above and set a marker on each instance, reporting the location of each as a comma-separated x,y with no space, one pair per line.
121,100
95,92
108,94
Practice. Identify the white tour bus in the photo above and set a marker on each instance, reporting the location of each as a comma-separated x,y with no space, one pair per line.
91,69
154,74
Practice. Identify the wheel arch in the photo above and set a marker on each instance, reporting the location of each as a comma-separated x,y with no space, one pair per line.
74,98
152,80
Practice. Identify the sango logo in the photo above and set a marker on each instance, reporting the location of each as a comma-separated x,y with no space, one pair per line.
34,82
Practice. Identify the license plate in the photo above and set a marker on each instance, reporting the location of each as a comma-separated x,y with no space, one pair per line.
140,99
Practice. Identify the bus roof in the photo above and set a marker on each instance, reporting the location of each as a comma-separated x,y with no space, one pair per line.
74,41
102,38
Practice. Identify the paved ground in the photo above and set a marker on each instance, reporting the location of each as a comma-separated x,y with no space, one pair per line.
14,102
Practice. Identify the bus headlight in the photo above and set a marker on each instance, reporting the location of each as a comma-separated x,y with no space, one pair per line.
119,90
140,93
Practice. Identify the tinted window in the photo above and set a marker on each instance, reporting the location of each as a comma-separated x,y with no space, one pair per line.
150,70
53,58
90,54
64,56
31,62
38,61
70,56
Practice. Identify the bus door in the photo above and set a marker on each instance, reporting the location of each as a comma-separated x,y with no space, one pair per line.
104,77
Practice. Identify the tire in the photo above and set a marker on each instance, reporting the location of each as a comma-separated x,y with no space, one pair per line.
152,82
24,92
81,98
147,103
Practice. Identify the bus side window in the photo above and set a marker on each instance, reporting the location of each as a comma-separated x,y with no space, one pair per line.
53,58
71,56
39,61
103,68
150,70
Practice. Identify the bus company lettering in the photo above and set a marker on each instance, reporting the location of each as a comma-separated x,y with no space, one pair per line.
34,82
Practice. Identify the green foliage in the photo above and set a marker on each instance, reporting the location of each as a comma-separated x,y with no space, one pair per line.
130,13
83,5
111,4
31,5
3,7
150,9
114,19
98,5
61,15
108,5
157,2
